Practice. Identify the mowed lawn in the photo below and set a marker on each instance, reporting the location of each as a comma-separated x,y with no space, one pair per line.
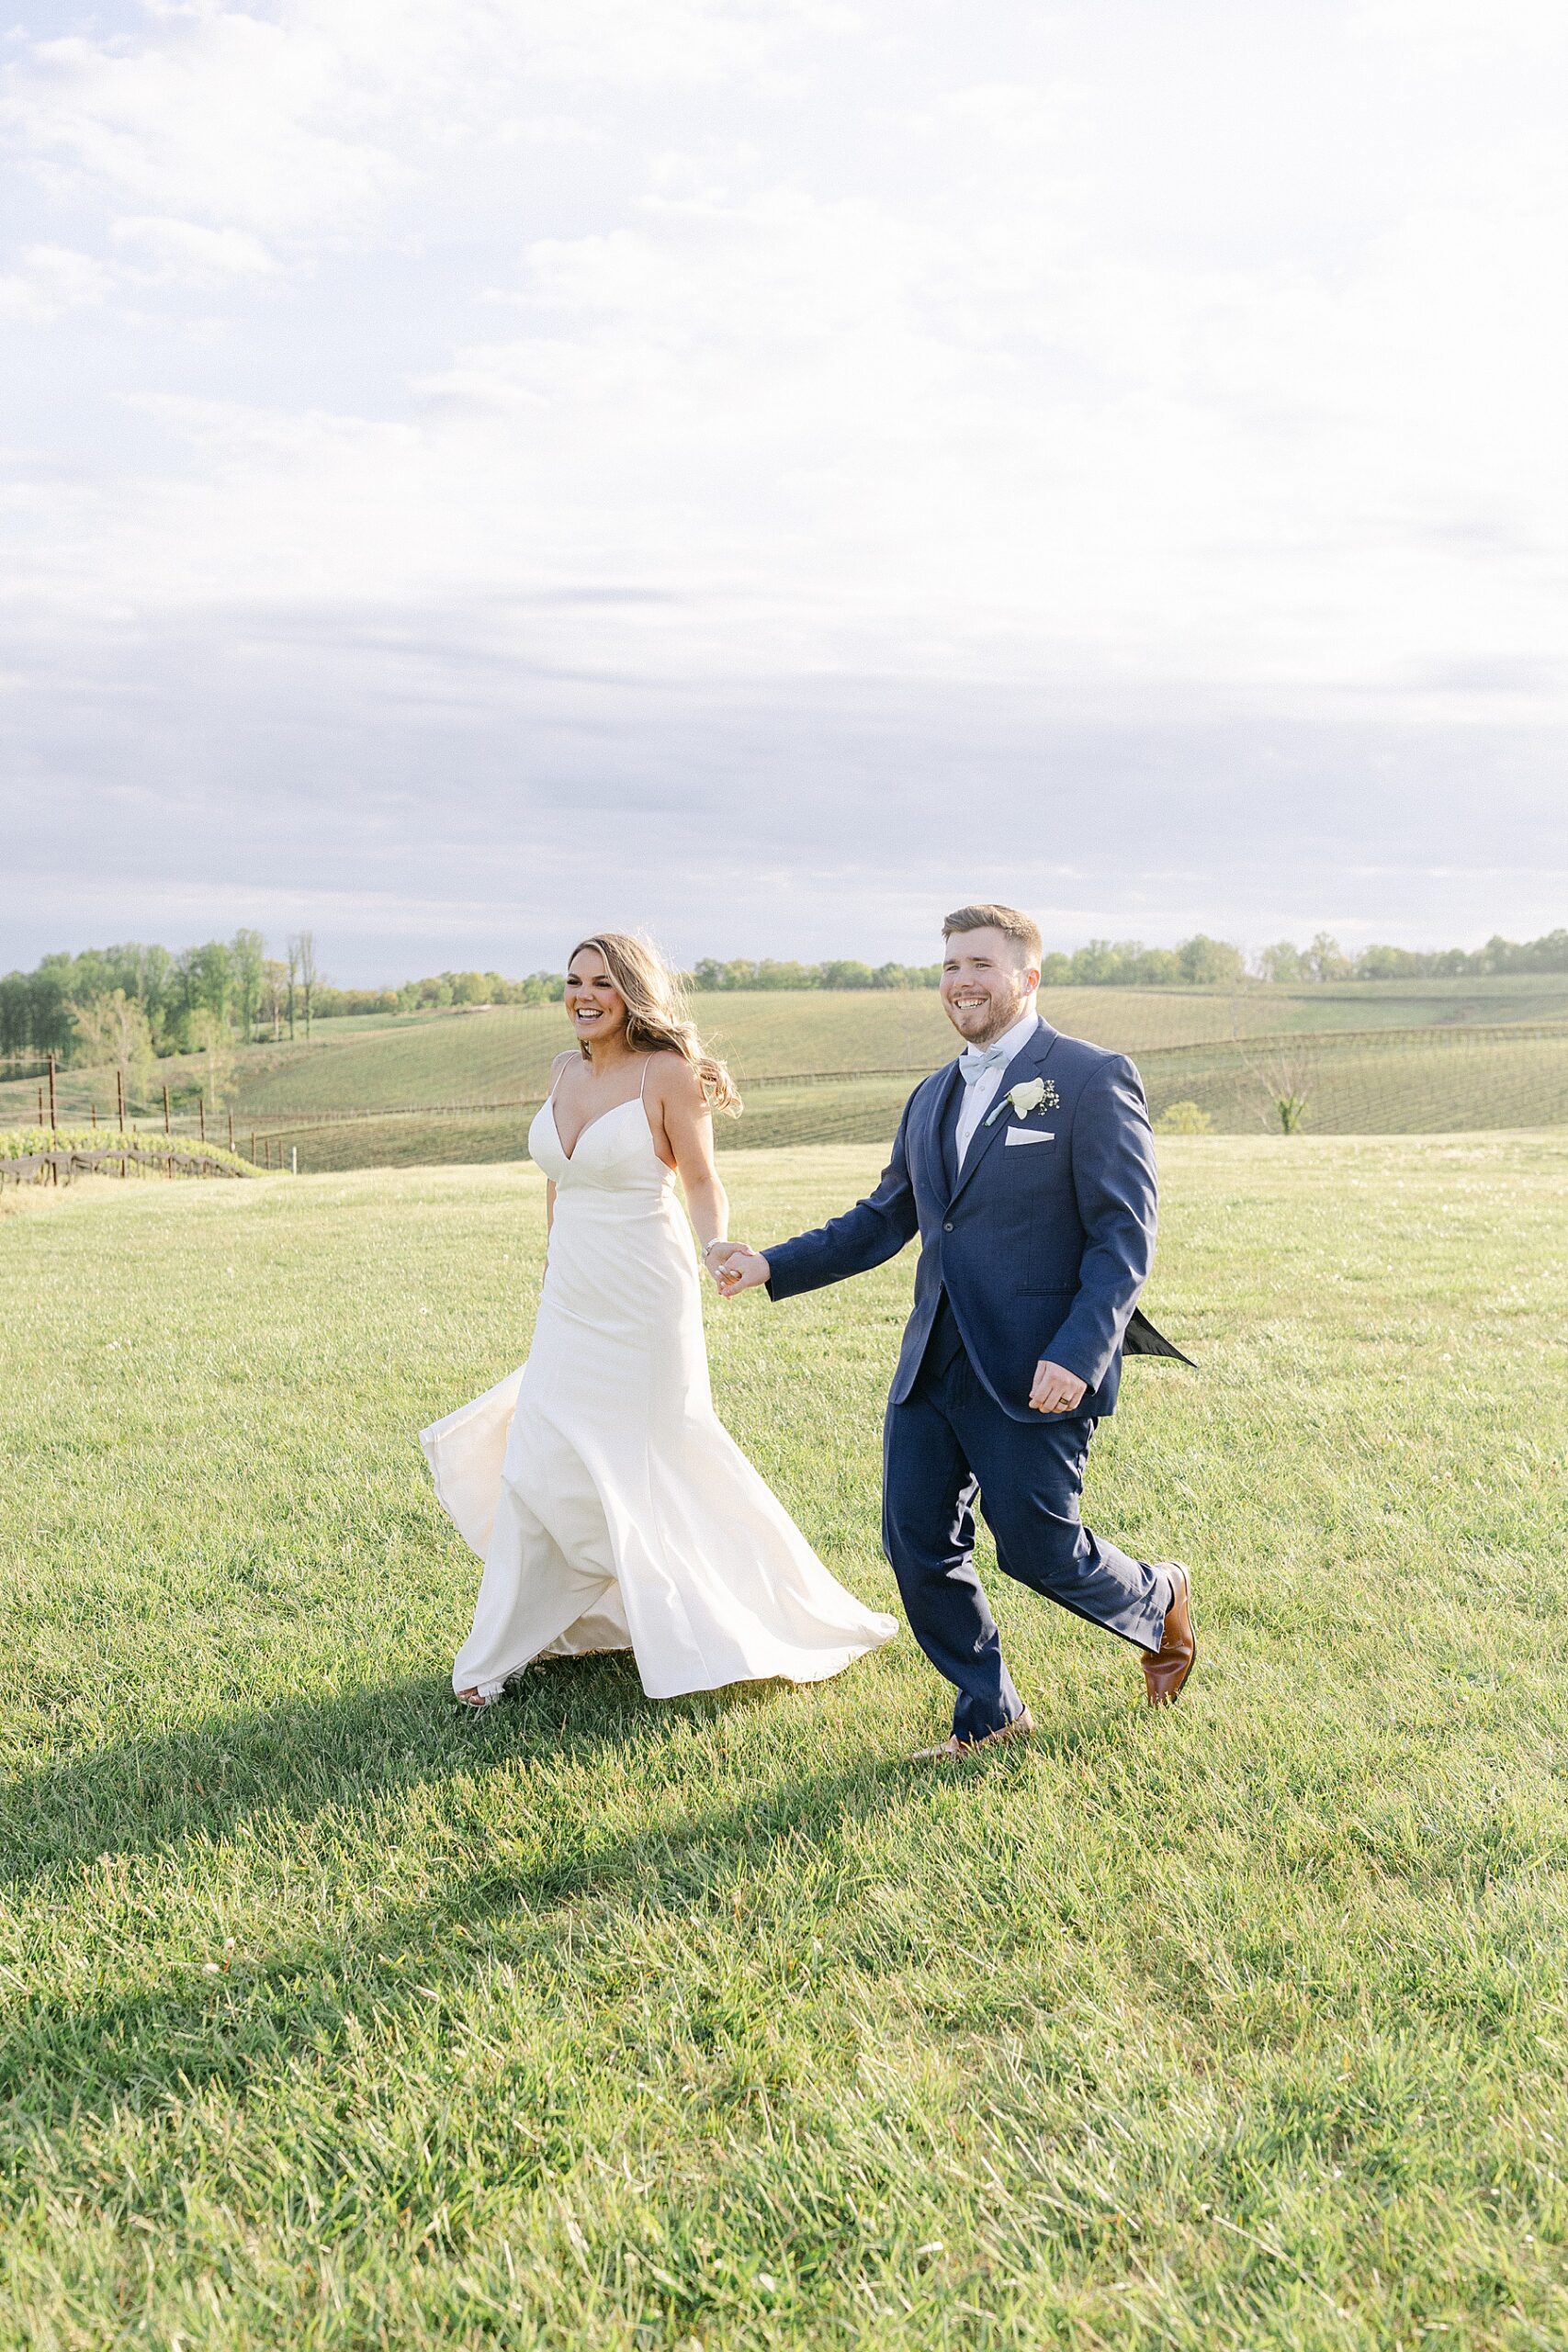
335,2018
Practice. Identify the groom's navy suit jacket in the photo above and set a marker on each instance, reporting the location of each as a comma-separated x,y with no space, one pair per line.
1042,1247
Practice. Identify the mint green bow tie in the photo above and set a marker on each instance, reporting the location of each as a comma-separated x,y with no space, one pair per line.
974,1064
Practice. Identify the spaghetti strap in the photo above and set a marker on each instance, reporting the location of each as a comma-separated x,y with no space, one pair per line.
642,1090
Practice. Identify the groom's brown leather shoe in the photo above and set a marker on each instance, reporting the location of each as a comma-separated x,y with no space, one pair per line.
1167,1670
1019,1728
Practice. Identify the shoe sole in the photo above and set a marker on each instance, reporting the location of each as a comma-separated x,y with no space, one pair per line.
961,1754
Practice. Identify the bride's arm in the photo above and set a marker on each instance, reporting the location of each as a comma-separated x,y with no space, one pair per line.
687,1125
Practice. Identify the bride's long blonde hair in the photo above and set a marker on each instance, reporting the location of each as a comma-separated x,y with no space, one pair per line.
655,1011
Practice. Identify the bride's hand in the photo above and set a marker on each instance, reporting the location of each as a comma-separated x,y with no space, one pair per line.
742,1270
717,1254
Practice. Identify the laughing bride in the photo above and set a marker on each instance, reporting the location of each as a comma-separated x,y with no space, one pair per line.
611,1508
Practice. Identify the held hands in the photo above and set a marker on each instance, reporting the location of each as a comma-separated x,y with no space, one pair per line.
1055,1389
734,1268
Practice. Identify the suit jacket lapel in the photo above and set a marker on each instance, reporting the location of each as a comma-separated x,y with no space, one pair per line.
936,1131
1030,1056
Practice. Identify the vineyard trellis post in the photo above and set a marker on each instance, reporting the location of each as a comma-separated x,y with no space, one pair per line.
53,1122
201,1114
119,1097
167,1130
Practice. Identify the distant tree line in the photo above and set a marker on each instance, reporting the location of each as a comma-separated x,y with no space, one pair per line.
1198,962
130,1005
1123,963
1327,960
839,973
159,1000
443,989
127,1006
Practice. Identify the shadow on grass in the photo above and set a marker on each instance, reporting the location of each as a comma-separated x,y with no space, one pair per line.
300,1758
180,1791
139,2048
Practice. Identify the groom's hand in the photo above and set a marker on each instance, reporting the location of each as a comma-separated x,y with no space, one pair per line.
742,1270
1055,1389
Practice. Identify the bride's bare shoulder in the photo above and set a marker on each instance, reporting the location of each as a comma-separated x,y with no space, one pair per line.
674,1076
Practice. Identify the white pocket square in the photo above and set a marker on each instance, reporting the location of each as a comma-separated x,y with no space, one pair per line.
1030,1135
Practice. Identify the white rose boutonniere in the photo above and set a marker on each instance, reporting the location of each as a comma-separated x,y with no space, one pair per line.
1030,1094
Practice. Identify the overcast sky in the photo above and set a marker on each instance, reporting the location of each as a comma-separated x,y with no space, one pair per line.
761,470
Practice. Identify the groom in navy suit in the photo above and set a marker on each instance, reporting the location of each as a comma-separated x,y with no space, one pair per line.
1027,1169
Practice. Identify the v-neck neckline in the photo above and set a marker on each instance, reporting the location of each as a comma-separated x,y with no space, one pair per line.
596,1122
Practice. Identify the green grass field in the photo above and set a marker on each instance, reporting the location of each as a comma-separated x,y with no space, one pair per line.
336,2021
477,1057
1433,1082
486,1057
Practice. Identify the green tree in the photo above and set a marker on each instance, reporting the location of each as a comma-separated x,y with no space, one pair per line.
212,978
50,989
1207,963
1325,960
1184,1119
274,986
114,1033
1096,965
15,1015
772,973
247,958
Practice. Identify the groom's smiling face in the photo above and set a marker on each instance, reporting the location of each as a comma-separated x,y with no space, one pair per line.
986,983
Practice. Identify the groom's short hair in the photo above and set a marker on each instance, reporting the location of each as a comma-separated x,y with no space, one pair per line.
1006,920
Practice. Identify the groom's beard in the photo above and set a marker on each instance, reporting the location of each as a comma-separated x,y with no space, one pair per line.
1000,1024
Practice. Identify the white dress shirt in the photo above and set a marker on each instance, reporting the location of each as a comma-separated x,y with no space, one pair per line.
979,1098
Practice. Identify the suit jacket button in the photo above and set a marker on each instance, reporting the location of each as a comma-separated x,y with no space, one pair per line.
947,1228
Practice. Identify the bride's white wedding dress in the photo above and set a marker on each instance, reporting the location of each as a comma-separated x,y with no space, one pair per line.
609,1504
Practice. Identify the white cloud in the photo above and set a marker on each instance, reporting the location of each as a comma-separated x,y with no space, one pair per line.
192,254
305,121
717,347
49,281
218,113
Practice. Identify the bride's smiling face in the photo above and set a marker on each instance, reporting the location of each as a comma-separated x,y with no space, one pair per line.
595,1005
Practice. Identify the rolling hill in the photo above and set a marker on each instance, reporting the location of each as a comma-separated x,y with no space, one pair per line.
1369,1057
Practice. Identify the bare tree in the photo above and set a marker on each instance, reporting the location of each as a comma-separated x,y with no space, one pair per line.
114,1029
212,1038
293,978
1286,1080
305,943
247,956
275,983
